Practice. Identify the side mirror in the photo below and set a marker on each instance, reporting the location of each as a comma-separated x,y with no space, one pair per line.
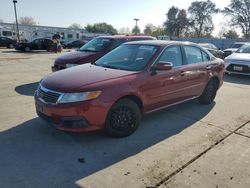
161,66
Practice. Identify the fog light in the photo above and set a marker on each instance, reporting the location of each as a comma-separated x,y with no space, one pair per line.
74,122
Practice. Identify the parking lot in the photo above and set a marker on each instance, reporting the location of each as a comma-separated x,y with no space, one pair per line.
188,145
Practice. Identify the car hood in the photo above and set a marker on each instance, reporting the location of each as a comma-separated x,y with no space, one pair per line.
23,43
239,56
231,49
72,79
73,57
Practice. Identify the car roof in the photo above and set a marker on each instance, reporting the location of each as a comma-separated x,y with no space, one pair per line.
41,38
127,37
205,43
162,42
241,43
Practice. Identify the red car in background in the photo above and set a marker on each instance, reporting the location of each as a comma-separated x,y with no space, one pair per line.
93,50
133,79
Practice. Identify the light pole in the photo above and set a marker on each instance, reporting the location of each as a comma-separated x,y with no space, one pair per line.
136,27
17,29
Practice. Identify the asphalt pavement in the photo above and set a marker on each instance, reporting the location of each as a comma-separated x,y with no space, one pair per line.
187,145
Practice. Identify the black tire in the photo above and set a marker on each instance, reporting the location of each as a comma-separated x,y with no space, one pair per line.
123,118
209,92
11,46
27,49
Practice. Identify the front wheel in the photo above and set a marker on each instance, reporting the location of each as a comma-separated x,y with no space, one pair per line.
209,93
123,118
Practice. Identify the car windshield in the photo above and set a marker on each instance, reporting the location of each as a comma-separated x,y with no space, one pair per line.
244,49
128,57
96,45
207,45
237,45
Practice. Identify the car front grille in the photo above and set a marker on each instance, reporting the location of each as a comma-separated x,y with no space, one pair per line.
47,95
245,68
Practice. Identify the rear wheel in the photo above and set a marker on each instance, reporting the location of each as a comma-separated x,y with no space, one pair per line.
10,46
27,49
123,118
209,92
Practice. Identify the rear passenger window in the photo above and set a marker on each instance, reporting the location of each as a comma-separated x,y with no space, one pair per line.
205,56
193,54
172,55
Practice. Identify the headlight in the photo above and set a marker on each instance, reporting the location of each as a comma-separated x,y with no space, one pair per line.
76,97
70,65
227,61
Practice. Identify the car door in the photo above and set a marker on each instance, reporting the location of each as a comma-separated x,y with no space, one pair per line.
197,64
1,42
41,44
165,87
35,44
47,44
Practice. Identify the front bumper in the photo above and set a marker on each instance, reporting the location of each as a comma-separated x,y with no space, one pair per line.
242,68
57,67
74,117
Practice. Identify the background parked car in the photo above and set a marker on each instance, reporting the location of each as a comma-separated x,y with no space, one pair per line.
133,79
75,44
233,48
239,62
7,42
37,44
213,49
93,50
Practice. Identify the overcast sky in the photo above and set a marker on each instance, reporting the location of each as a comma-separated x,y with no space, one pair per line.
119,13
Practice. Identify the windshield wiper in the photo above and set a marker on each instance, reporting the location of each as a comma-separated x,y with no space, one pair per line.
87,50
110,67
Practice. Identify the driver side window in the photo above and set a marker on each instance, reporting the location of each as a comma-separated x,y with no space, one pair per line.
173,55
37,41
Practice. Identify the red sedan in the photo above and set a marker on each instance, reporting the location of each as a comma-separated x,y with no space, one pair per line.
133,79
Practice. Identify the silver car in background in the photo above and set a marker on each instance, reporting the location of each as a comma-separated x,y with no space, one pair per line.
239,62
233,48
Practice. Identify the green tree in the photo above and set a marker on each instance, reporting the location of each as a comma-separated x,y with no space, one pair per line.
201,13
231,34
149,29
159,31
101,28
239,11
124,31
136,30
1,20
26,20
176,22
75,26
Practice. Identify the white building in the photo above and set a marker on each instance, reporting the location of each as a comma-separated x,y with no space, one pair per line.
31,32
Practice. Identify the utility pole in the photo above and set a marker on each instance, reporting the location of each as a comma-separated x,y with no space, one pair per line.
17,29
136,30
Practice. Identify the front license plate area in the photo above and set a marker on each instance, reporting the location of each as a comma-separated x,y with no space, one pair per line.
238,68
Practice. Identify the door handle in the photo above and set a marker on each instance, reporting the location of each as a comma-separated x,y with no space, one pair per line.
182,73
208,67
